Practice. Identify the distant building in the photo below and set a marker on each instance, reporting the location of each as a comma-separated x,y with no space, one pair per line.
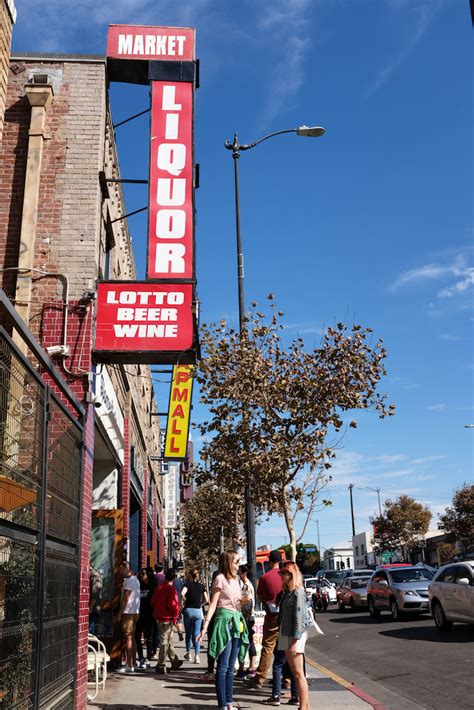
362,550
338,558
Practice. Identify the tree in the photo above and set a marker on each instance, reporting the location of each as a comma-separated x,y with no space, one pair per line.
401,525
273,409
211,512
458,520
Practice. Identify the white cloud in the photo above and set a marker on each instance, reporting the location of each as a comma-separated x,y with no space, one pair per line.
286,25
429,459
440,407
419,14
458,268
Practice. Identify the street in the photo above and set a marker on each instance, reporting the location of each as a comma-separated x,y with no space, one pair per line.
409,658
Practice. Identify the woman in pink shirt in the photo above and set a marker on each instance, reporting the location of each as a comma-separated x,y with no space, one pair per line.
229,633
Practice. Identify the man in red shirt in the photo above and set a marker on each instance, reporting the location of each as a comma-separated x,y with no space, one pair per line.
269,586
166,608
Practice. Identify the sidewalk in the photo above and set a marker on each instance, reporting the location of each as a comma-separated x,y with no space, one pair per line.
182,689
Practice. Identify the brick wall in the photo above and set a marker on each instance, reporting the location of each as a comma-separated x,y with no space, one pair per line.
83,592
70,241
126,481
144,518
7,14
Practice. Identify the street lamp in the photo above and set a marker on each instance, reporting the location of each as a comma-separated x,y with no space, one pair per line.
236,148
375,490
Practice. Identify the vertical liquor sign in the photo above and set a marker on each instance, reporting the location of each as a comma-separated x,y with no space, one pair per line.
155,321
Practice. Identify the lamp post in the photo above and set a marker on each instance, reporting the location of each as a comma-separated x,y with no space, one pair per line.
375,490
237,148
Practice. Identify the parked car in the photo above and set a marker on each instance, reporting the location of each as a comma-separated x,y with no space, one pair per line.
451,594
399,590
310,584
353,592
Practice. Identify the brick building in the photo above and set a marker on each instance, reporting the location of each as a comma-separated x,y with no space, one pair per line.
61,229
7,20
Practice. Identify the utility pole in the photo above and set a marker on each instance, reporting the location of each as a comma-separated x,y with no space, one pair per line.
351,486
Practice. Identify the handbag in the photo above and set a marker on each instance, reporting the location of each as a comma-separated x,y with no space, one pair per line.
311,623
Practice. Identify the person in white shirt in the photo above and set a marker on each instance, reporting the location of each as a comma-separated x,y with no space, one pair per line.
128,614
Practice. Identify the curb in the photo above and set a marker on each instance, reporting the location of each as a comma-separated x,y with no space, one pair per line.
347,685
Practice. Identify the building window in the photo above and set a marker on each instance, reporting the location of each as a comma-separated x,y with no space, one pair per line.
362,550
357,550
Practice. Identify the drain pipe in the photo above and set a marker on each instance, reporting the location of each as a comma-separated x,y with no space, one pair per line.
40,97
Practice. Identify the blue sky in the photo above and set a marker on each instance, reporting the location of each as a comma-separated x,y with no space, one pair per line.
370,224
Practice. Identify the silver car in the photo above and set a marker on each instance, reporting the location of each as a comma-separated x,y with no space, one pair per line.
452,594
399,589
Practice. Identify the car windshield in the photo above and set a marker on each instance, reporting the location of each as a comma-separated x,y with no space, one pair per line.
414,574
359,582
334,575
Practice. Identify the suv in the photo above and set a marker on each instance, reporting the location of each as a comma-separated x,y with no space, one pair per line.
452,594
398,590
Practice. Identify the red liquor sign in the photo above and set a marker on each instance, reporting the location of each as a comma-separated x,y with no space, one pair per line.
136,318
170,221
151,43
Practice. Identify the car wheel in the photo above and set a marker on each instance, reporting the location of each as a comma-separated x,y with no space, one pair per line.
374,613
352,604
341,606
442,624
394,610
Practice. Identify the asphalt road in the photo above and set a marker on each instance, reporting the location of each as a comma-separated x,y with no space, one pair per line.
398,661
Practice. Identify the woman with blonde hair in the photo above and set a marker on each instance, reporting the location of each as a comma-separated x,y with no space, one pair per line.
192,597
229,635
293,625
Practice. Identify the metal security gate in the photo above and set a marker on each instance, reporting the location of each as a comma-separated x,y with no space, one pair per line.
40,498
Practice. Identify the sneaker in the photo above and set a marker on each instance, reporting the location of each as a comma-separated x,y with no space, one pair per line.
253,684
293,700
272,700
187,656
176,664
250,675
143,664
207,677
126,669
180,636
160,670
240,674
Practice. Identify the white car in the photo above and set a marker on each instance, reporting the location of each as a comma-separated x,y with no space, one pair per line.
452,594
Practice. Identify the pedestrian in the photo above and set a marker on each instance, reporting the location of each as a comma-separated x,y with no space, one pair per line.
166,608
280,672
268,588
211,661
248,607
179,585
159,575
229,635
146,622
193,596
293,627
128,614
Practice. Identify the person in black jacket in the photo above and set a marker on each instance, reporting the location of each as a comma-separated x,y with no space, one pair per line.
146,622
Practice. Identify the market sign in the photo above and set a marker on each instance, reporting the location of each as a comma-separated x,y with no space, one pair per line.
179,410
141,42
142,322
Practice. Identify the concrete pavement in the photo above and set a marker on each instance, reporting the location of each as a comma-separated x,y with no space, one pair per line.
183,689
